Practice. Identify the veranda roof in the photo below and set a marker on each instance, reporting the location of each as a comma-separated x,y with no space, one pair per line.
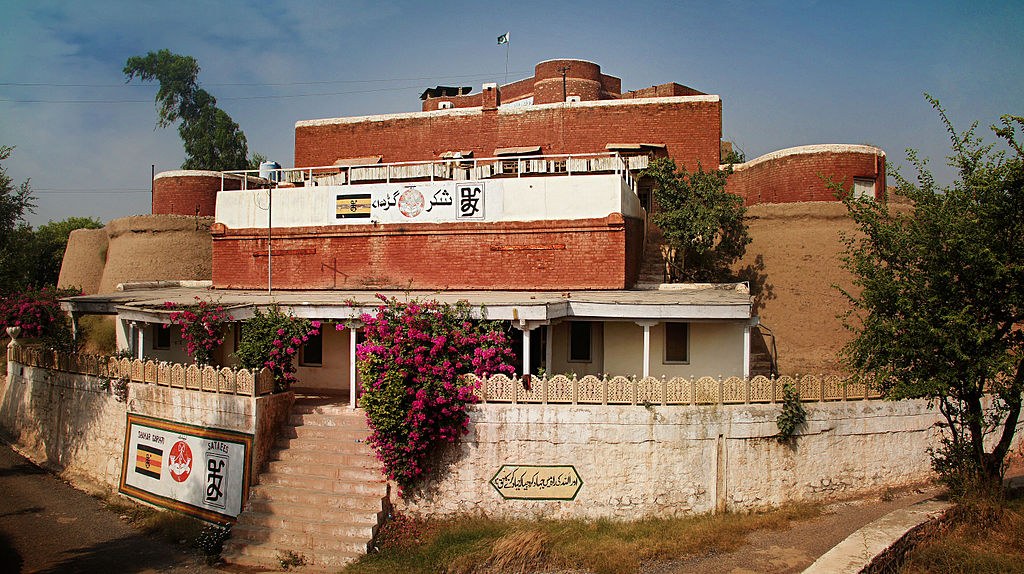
689,302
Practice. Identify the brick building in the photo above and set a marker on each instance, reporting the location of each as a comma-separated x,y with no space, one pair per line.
526,197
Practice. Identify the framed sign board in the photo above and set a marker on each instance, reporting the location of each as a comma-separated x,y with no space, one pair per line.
203,472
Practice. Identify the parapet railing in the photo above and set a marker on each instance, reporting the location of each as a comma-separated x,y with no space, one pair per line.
592,390
176,375
454,169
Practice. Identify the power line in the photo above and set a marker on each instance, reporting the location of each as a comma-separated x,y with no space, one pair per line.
221,84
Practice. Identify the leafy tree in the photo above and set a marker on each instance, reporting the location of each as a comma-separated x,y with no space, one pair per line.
702,223
941,308
15,201
212,139
48,244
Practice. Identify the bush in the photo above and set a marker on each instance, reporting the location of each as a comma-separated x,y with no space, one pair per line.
272,340
411,365
202,327
38,313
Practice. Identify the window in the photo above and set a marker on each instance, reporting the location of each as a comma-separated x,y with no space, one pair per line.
445,105
863,187
677,342
311,354
580,339
572,99
162,337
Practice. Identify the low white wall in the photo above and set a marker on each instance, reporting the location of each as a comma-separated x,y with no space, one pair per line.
663,461
72,423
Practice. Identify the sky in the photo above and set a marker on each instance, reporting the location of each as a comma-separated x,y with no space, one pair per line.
789,73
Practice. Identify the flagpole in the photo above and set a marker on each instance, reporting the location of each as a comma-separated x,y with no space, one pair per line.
508,45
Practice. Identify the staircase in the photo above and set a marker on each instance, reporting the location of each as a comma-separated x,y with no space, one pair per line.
322,496
653,267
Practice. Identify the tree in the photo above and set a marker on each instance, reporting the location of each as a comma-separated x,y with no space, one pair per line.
15,201
48,244
941,301
212,139
702,223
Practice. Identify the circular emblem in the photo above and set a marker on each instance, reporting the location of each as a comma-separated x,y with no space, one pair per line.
410,203
180,461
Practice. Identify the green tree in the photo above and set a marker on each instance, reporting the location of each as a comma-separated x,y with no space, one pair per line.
941,302
48,244
702,223
212,139
15,202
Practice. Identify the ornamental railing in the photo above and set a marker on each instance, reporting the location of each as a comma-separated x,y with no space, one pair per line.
592,390
209,379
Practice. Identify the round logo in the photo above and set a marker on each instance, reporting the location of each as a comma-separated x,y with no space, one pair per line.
180,461
410,203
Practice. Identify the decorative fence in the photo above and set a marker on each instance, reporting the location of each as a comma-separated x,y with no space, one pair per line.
591,390
193,377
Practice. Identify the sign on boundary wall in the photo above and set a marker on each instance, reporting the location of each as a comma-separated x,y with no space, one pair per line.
203,472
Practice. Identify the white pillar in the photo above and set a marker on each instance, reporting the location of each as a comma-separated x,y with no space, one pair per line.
352,365
647,345
746,351
548,357
526,351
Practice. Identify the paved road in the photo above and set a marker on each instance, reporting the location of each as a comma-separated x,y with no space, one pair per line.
48,527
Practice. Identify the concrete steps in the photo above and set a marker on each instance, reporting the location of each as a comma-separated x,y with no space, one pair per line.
322,496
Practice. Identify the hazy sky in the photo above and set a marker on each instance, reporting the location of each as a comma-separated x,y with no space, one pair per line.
789,73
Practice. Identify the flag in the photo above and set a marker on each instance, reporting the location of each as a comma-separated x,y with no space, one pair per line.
503,39
148,460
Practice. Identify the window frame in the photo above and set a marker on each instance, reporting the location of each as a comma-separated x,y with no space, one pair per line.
160,328
665,343
590,340
303,362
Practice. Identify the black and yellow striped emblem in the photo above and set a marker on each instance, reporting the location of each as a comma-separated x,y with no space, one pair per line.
354,206
148,461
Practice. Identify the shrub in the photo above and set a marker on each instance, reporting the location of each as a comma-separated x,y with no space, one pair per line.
272,340
202,327
411,365
38,313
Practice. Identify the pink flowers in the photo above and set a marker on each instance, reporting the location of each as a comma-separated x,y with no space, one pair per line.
202,328
411,362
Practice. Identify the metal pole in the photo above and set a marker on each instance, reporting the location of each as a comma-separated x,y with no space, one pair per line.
270,211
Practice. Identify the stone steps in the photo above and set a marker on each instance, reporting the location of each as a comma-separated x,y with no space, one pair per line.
322,495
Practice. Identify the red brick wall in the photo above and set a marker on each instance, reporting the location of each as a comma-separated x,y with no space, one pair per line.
797,176
690,130
566,254
184,194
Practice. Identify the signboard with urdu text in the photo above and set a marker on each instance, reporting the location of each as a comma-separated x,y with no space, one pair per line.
409,203
533,482
199,471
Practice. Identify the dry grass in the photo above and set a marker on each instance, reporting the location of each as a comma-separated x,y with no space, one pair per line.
978,537
481,545
171,526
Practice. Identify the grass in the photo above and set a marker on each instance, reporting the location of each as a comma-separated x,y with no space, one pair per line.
469,545
975,537
173,527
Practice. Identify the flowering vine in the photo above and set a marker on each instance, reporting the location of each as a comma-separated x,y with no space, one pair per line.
411,364
37,312
272,340
202,327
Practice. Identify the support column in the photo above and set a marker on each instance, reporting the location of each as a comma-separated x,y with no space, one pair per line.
647,345
141,328
526,326
548,356
746,351
353,327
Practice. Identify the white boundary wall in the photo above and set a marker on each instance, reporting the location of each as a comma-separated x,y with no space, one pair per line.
671,460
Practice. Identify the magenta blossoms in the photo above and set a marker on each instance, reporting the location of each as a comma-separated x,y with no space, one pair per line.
411,365
202,327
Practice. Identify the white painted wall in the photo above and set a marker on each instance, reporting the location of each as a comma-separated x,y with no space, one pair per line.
508,199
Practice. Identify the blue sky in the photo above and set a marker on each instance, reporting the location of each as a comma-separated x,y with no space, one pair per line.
789,73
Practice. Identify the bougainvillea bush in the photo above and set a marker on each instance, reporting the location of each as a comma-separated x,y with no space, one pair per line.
272,340
38,313
411,364
202,327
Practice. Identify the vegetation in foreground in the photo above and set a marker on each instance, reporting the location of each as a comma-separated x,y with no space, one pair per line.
979,536
464,545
